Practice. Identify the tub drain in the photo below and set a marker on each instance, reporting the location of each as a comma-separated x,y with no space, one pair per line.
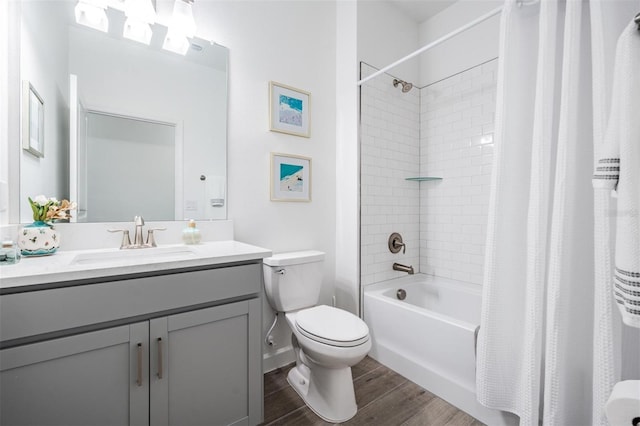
401,294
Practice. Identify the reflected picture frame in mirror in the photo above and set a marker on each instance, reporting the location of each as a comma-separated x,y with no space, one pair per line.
32,120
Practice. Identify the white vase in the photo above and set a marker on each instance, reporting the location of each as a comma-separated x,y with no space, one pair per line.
38,239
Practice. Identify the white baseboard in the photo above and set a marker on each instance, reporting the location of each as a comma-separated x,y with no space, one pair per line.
278,358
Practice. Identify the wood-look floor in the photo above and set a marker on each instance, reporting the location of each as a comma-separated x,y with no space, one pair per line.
384,398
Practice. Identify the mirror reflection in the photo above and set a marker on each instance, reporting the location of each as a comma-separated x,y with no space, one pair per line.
107,188
130,129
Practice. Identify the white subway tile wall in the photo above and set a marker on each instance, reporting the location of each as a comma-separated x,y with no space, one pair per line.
443,130
456,143
390,152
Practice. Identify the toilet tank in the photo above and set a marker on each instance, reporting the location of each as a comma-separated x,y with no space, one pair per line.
292,280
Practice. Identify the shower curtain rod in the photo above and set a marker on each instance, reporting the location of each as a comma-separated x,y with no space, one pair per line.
454,33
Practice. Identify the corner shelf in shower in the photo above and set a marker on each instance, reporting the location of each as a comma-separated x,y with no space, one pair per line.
423,178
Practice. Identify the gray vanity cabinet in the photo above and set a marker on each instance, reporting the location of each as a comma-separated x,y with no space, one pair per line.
179,363
199,368
86,379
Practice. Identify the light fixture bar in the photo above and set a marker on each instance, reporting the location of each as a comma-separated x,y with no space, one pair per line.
140,15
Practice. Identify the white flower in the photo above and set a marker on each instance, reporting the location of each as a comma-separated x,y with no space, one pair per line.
41,200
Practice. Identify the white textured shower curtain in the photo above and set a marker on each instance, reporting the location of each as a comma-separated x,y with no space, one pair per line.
536,341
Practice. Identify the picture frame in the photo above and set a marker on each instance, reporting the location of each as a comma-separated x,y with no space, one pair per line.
32,120
290,177
289,110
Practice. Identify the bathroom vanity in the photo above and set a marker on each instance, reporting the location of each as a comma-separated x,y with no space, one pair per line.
169,337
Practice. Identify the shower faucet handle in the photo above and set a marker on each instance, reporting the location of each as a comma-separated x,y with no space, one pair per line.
395,243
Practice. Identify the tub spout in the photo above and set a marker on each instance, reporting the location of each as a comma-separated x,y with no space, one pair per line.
403,268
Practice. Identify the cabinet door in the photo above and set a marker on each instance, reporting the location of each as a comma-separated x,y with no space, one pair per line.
87,379
206,370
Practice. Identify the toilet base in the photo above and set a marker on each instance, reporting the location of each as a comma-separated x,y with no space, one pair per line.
328,392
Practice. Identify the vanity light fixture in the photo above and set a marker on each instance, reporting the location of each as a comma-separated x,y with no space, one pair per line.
182,26
92,14
140,15
176,42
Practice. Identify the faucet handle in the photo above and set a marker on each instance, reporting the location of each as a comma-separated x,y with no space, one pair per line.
126,241
151,240
396,244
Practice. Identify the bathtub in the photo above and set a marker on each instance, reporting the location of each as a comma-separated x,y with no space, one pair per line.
430,337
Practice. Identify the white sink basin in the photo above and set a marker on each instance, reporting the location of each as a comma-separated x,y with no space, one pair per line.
136,255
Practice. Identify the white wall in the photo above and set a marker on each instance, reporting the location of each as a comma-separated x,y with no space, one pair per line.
385,35
457,112
472,47
443,222
456,143
293,43
390,153
347,159
43,62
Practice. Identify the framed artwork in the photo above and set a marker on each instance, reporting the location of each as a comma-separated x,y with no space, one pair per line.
32,120
289,110
290,178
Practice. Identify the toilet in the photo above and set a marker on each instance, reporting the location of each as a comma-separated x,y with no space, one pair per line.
327,340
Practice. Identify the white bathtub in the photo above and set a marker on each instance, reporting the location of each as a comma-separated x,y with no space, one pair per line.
430,336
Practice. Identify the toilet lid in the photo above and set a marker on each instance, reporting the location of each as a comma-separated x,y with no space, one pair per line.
332,326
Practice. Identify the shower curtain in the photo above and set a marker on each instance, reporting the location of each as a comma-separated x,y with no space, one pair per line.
546,348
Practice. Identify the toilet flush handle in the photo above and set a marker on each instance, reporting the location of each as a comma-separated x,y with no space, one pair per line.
281,271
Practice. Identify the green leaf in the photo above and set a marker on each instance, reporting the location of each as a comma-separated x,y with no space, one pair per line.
37,214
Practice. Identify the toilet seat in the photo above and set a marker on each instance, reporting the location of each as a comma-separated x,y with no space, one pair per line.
332,326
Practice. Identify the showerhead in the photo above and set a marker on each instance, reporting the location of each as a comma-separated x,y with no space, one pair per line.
405,86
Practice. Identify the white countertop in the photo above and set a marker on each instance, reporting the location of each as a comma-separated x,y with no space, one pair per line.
64,266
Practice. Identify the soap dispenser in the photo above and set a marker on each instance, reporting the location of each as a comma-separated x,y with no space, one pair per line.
191,234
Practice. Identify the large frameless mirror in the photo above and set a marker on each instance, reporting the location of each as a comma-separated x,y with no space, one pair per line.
130,129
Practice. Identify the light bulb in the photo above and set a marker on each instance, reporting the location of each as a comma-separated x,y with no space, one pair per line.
92,14
137,30
140,10
176,42
182,19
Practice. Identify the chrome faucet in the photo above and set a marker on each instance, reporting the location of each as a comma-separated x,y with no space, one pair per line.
138,241
403,268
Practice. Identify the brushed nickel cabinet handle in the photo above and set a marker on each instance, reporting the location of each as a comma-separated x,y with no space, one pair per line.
159,357
139,378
